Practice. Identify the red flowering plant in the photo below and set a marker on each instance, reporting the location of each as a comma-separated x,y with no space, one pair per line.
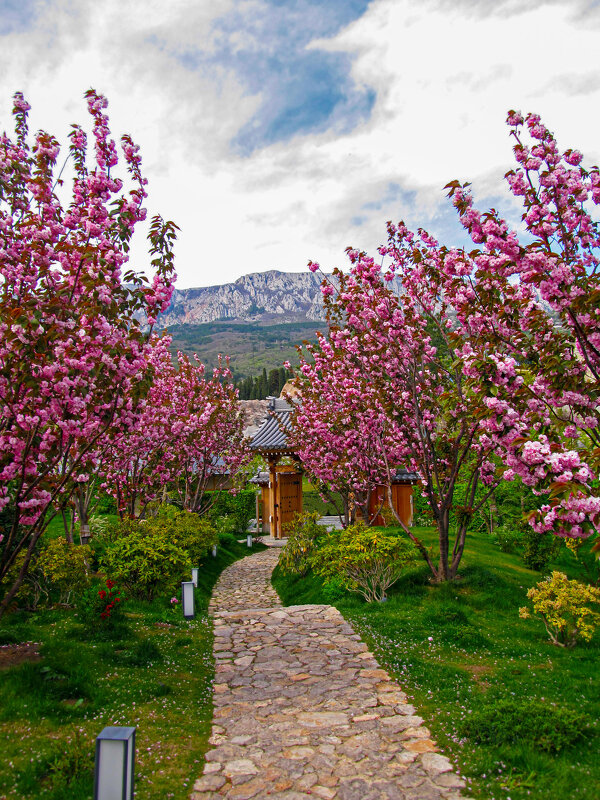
101,606
111,600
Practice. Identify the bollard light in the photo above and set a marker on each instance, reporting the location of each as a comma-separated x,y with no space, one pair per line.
187,599
249,539
195,571
214,551
115,755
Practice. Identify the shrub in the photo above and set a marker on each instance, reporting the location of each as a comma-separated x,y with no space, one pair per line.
539,548
366,560
508,538
240,508
193,534
545,727
60,573
303,533
146,562
564,606
334,590
62,570
101,608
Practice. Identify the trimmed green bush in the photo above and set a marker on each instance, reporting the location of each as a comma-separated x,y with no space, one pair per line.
147,562
193,534
366,560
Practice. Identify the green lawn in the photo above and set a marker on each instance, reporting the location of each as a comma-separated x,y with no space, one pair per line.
487,682
156,674
312,500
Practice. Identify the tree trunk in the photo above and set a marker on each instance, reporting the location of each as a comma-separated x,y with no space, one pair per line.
443,572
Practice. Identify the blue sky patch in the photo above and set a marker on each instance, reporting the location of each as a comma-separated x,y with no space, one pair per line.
302,90
16,15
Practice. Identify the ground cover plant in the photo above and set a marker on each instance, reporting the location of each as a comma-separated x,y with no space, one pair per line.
149,668
516,714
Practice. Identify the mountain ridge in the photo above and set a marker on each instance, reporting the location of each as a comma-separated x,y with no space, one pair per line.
261,297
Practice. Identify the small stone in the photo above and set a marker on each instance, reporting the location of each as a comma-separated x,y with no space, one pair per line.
398,722
299,753
241,766
209,783
405,757
416,733
211,768
420,745
244,661
251,788
301,676
365,717
449,780
322,719
323,791
391,698
436,763
381,674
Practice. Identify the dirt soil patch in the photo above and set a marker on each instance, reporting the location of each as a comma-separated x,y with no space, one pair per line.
13,654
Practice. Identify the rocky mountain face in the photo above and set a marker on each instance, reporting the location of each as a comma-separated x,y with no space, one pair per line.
253,412
260,297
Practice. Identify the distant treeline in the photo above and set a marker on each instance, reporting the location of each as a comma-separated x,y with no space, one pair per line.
265,385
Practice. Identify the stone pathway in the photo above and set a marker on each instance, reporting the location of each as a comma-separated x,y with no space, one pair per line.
302,708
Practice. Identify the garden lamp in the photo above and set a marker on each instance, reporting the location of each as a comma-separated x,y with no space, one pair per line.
249,539
115,755
214,550
84,533
195,572
187,599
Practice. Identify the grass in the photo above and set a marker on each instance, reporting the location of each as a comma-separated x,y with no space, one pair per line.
155,672
518,716
312,501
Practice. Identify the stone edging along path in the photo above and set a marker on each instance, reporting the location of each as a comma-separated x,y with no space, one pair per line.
302,709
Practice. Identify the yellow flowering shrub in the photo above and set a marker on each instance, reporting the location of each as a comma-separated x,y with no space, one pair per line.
565,608
365,560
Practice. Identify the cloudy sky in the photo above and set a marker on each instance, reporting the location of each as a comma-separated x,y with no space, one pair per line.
274,131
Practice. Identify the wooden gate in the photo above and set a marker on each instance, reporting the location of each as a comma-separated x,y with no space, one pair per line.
289,498
401,498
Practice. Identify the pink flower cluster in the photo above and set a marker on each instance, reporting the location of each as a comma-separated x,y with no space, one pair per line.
73,353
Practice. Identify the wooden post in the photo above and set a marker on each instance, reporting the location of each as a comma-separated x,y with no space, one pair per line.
273,498
258,520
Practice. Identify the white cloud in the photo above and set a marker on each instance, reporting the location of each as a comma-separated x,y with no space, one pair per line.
444,75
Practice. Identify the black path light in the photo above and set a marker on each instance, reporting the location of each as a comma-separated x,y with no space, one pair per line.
115,756
195,571
187,599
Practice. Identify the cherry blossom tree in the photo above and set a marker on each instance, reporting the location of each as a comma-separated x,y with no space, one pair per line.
384,389
73,352
491,356
189,431
528,306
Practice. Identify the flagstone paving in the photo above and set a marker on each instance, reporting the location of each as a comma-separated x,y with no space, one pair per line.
303,710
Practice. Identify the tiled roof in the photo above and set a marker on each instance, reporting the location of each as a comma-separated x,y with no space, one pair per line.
405,475
272,433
